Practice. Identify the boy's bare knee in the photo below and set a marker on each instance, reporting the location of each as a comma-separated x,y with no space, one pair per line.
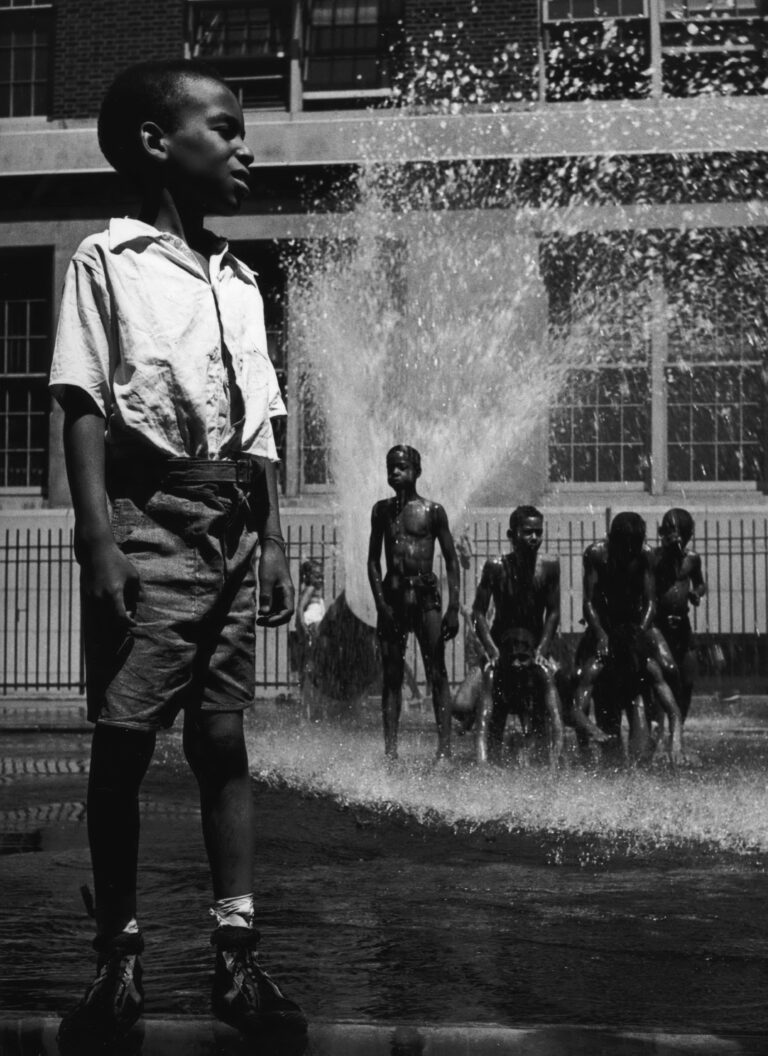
214,741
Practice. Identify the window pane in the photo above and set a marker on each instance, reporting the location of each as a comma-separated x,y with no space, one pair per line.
609,464
703,427
635,463
24,400
357,36
679,427
560,464
678,462
704,462
728,462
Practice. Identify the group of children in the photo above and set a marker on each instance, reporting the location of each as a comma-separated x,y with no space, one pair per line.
635,658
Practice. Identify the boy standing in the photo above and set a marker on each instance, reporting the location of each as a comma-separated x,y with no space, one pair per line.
679,583
162,370
524,586
619,605
408,597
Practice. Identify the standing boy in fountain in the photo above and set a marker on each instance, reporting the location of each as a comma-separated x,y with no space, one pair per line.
679,583
618,656
168,392
408,596
524,586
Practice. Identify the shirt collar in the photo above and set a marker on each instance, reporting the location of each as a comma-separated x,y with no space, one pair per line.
125,229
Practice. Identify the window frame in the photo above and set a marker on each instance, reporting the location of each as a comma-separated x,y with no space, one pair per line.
36,381
363,90
31,9
275,64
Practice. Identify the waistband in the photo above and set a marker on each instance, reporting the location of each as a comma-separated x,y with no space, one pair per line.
168,473
673,622
421,579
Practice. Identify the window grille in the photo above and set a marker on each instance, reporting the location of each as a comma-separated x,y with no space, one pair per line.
25,321
248,45
25,58
714,390
581,10
600,427
349,45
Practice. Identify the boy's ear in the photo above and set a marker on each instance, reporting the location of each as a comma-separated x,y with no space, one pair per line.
153,140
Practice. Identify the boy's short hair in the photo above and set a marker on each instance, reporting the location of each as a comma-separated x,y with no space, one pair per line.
408,452
627,530
147,91
522,513
681,519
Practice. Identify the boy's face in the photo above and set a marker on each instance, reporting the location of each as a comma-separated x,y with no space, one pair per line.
400,472
207,158
529,534
671,536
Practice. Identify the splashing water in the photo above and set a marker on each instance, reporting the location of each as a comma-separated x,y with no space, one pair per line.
722,807
427,327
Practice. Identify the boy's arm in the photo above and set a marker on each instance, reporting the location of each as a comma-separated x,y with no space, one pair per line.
450,557
304,599
552,610
590,611
698,586
480,611
276,592
108,577
649,595
374,558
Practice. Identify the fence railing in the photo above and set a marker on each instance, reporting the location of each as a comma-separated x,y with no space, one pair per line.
40,647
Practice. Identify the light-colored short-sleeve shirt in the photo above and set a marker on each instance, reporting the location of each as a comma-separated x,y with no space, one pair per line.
174,358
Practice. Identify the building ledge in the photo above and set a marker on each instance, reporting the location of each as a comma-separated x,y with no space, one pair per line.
648,126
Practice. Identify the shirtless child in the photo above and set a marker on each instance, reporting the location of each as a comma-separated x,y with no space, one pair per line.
408,596
679,582
618,647
524,586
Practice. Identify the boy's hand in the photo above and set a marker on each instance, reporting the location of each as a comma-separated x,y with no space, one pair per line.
110,580
450,624
276,593
694,598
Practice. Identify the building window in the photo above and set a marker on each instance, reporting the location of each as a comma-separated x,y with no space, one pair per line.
248,45
711,47
25,331
715,386
599,427
349,48
315,450
677,327
596,49
561,10
25,58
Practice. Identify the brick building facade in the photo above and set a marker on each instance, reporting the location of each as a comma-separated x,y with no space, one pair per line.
620,146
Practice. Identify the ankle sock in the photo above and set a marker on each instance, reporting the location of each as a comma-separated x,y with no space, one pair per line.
235,912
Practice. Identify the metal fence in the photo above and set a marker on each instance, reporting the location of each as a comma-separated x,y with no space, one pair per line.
40,645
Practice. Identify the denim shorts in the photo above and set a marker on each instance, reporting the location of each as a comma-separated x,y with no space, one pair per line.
192,645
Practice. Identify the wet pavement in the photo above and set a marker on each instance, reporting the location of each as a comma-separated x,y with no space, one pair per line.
399,936
201,1037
